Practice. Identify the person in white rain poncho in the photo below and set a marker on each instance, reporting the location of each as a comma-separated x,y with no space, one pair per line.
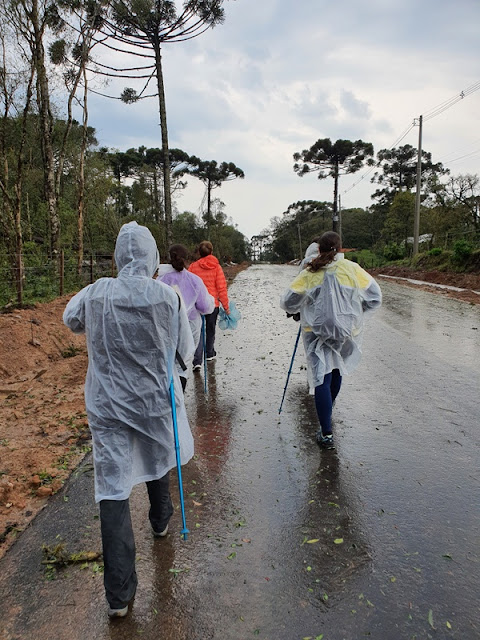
134,327
333,297
310,253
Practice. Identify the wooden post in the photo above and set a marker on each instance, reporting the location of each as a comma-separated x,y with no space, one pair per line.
19,277
416,223
62,271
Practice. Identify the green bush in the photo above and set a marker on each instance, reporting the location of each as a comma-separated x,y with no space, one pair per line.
393,252
365,258
436,251
462,250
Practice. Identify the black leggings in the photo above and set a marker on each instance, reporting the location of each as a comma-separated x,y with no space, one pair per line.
325,395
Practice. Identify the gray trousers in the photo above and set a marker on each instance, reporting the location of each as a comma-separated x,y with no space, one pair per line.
120,578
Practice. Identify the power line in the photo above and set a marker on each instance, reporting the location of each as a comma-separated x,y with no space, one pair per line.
428,115
397,141
467,155
444,159
436,111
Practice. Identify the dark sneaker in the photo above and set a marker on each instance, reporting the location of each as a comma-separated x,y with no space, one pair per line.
325,442
160,534
160,525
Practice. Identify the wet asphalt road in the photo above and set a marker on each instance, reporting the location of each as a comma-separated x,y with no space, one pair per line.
379,539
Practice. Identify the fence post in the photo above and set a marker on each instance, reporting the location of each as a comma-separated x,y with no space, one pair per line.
19,278
91,268
62,271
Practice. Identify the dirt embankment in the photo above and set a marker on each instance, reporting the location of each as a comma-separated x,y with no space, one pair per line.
470,282
43,425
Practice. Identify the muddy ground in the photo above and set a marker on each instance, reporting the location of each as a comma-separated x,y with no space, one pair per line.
43,426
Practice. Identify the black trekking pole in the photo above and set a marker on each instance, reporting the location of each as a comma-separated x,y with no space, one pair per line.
290,370
204,338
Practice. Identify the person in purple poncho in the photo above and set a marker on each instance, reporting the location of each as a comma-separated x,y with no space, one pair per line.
194,293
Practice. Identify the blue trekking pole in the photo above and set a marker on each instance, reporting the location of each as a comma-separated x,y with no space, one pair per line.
184,531
290,370
204,337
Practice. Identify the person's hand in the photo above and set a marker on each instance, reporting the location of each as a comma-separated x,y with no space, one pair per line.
295,316
227,311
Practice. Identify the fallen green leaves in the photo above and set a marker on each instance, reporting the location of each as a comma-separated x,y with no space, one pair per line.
59,555
176,571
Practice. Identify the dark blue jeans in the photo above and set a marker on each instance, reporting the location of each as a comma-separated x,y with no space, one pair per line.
210,326
120,578
325,395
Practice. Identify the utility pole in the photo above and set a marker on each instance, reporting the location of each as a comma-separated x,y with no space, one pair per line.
340,218
416,224
300,240
335,221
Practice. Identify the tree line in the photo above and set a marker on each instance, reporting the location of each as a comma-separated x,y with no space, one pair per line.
58,190
450,205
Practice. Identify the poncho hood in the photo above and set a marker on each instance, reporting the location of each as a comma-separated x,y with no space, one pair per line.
208,262
312,250
136,252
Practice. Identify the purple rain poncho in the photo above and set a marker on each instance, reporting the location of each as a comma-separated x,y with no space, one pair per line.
195,297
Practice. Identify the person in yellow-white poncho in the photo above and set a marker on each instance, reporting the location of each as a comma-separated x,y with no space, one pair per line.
334,296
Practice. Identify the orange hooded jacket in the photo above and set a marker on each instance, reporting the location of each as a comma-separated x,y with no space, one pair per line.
210,271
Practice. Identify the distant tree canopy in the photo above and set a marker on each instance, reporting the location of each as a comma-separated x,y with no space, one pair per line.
450,212
119,187
333,159
145,26
398,172
213,175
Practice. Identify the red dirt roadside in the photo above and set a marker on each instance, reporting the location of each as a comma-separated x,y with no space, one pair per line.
470,282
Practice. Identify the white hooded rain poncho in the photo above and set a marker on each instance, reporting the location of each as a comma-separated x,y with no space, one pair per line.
134,326
333,303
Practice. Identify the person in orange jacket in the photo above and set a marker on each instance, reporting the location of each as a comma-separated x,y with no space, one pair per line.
210,271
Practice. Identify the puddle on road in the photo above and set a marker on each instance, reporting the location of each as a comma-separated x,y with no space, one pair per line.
448,327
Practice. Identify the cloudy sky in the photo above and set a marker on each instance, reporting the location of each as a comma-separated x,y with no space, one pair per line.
280,74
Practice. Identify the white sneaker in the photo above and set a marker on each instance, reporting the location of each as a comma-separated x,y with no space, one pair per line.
117,613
